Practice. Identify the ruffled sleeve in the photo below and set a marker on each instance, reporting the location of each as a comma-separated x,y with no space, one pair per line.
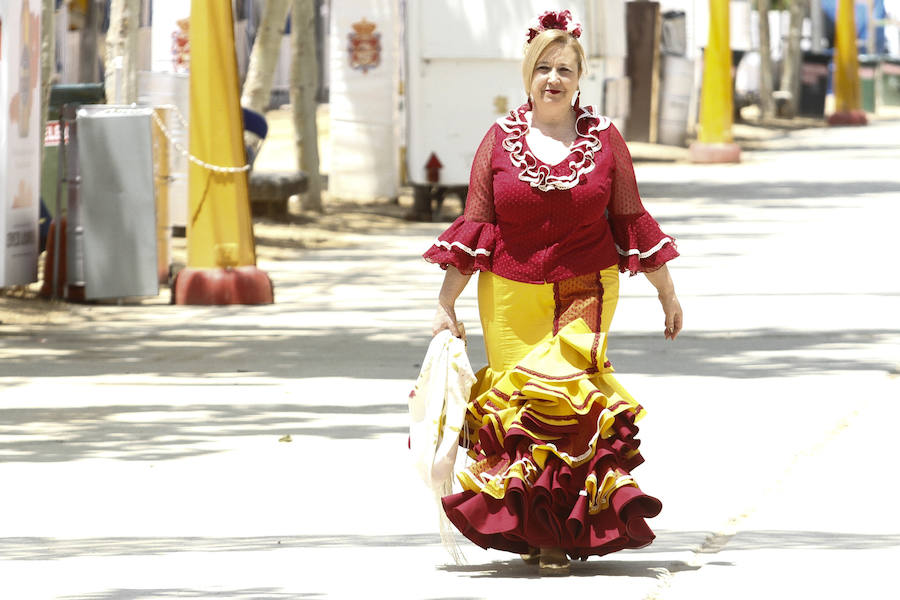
468,244
641,244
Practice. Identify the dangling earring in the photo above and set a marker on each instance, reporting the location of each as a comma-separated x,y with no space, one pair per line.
530,103
577,104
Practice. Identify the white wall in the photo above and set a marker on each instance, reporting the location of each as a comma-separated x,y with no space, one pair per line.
364,104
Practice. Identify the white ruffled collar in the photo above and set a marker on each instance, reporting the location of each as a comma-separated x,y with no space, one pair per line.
567,173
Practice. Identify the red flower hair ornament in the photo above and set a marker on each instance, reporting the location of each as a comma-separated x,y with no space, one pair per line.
561,20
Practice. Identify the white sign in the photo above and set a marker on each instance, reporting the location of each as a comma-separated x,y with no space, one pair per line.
170,41
20,103
365,81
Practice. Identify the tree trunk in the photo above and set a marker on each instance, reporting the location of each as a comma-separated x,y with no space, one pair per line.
766,101
121,52
817,21
87,46
264,56
304,75
48,54
790,73
870,27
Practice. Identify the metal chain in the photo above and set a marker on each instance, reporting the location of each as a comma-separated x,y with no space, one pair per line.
188,155
178,115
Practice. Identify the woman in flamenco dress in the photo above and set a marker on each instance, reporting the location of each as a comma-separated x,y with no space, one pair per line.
552,216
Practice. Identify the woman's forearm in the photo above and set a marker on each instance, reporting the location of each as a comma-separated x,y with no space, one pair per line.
665,288
662,281
454,283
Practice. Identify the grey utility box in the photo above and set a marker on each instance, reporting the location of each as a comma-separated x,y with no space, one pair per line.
118,210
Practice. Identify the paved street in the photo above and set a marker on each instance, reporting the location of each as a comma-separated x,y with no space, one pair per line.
143,449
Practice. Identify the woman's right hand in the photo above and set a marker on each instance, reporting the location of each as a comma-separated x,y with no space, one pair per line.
445,318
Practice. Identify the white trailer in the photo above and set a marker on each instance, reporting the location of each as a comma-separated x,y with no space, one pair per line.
463,71
418,81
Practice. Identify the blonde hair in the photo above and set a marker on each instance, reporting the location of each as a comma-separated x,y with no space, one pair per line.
541,42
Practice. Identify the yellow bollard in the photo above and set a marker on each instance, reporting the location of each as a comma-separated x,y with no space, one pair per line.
847,93
161,168
221,255
715,143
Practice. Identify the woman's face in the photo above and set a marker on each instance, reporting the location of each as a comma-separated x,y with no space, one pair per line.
555,78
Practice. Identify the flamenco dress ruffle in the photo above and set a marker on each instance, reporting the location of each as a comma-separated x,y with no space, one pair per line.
641,245
467,245
554,443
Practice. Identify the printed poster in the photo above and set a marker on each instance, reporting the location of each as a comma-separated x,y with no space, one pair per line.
20,102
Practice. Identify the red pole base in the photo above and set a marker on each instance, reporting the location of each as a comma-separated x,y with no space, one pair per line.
848,117
727,152
238,285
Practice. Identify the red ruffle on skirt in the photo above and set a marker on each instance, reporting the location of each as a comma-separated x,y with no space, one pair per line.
552,513
554,450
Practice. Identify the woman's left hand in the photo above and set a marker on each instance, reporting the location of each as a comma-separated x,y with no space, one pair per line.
674,316
665,290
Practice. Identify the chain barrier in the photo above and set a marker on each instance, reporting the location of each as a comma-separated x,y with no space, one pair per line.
183,151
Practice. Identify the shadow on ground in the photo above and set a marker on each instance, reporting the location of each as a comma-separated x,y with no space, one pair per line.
604,567
760,353
762,193
152,594
166,432
372,353
667,541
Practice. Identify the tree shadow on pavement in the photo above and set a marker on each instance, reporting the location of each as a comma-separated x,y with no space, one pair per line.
178,351
810,540
760,353
680,541
372,353
668,541
42,548
764,191
153,594
166,432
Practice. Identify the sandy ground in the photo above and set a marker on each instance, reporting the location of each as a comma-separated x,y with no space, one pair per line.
339,227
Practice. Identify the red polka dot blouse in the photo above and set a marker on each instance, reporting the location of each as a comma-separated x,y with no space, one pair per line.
534,222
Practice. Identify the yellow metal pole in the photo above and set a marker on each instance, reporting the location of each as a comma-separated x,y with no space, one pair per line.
221,255
716,99
715,142
219,228
847,93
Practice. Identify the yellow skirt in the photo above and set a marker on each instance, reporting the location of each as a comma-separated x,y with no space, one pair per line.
551,432
517,316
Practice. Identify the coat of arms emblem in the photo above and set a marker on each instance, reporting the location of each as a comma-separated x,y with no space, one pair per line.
364,46
181,46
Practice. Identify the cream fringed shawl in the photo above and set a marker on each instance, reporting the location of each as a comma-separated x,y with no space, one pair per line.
437,408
